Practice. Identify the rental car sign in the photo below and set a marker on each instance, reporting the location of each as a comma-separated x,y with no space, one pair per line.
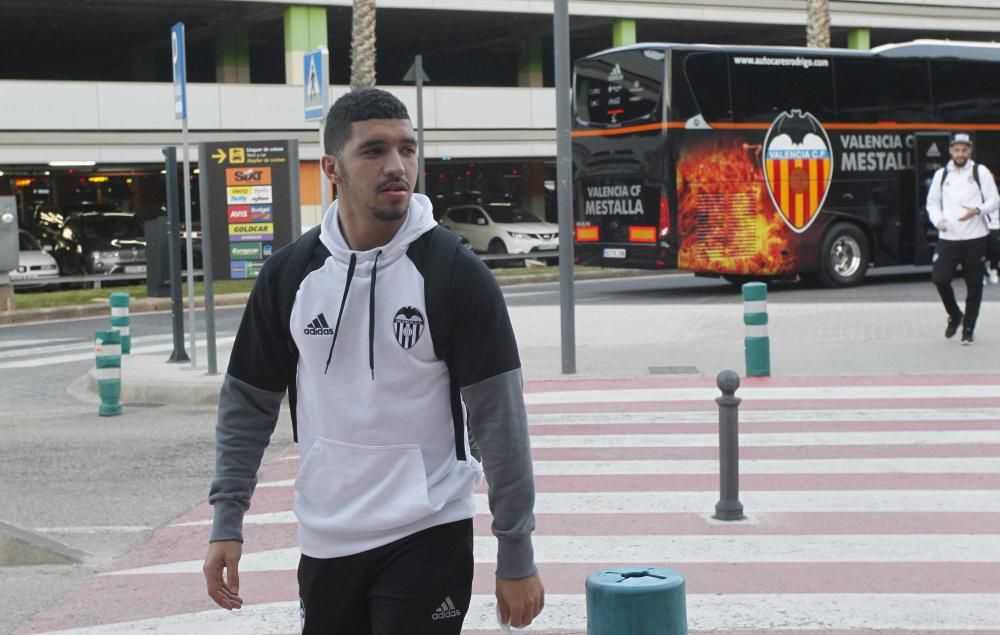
251,193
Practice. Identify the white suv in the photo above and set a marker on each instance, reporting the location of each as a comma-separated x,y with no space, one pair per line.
501,228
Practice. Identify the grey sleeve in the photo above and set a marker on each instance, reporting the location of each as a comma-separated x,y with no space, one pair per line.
499,422
247,417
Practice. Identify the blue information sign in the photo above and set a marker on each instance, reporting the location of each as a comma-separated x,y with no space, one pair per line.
314,84
180,70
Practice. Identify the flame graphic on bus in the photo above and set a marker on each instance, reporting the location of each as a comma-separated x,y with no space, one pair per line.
726,223
798,167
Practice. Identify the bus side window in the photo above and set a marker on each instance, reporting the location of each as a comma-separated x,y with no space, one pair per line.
701,87
870,90
764,86
965,92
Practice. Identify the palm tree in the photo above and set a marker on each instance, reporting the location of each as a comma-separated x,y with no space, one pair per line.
363,44
818,28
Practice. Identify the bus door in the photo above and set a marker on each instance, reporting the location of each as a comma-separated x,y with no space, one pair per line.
931,153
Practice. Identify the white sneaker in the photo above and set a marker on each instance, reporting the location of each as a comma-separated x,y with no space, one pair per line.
994,278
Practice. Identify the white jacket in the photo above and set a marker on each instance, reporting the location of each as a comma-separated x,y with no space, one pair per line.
947,202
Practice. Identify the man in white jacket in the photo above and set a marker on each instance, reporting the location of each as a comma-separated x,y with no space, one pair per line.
961,198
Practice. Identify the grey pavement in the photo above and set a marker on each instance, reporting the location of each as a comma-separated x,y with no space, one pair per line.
622,340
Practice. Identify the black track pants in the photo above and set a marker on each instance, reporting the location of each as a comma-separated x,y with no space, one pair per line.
419,585
970,254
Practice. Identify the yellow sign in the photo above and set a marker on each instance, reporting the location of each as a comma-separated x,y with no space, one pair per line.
251,228
219,155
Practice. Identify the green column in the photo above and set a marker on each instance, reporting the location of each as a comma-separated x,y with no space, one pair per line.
529,71
860,39
232,55
305,30
623,33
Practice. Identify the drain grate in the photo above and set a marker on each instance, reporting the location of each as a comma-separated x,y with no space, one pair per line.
673,370
20,547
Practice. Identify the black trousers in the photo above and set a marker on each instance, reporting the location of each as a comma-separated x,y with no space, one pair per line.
993,252
970,254
419,585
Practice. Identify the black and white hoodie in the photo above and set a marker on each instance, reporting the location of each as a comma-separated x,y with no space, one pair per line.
382,454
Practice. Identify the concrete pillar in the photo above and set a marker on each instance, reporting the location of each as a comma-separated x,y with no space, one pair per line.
305,30
623,32
529,63
232,55
860,39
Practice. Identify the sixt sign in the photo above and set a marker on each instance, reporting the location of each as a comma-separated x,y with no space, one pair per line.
248,176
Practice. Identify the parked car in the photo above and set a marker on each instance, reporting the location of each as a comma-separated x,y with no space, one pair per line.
501,228
35,267
102,242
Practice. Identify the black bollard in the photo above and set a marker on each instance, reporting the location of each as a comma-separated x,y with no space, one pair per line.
729,506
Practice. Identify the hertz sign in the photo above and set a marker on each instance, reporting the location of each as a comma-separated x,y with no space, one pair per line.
251,192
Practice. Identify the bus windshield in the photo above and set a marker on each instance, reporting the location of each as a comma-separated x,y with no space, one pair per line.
619,88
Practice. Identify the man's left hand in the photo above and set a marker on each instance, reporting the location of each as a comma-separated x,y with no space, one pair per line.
969,213
520,600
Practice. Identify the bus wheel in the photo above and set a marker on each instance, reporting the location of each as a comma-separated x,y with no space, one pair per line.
844,257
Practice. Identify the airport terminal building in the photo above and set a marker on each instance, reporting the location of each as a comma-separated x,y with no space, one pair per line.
86,103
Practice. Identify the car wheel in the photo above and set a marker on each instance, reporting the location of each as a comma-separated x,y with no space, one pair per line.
843,260
497,248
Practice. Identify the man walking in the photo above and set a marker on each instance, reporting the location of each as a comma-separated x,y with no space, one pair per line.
344,324
961,197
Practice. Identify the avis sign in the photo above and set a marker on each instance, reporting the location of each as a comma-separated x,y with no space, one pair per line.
251,189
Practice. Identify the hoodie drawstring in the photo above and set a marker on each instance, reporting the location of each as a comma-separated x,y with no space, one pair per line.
371,317
343,302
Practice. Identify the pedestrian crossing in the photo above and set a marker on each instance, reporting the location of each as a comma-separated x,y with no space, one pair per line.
871,506
58,351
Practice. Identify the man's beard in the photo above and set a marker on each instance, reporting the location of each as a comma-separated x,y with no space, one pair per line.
961,162
389,214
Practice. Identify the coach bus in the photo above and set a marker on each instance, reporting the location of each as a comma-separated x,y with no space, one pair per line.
754,163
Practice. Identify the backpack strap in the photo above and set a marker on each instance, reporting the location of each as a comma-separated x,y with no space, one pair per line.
975,176
291,276
442,246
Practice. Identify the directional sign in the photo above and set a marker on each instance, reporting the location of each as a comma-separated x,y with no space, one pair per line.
180,70
315,76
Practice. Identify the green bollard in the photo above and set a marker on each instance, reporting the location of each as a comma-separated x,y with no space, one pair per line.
108,354
119,318
636,601
756,343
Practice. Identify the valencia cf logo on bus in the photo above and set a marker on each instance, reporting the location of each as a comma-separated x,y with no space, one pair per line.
798,167
408,326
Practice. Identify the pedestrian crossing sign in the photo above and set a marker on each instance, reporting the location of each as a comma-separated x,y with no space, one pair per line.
314,84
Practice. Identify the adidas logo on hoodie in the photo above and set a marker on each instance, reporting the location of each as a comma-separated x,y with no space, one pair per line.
318,326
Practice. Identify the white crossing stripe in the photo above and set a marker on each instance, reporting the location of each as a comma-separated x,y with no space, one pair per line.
63,359
799,613
80,345
769,416
930,465
702,549
797,393
767,439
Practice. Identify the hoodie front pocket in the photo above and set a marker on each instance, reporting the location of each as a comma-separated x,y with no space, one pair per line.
352,488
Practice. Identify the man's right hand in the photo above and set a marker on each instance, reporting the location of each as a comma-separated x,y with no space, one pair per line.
224,554
942,226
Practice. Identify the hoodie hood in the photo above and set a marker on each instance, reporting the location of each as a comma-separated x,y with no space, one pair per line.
419,219
364,264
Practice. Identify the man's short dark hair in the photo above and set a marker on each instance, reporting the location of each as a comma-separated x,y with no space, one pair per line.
358,105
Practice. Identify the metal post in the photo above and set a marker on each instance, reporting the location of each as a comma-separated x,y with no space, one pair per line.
207,275
419,72
190,244
173,227
729,506
564,188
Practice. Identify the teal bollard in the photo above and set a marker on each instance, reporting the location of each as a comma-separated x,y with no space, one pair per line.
120,320
757,344
636,601
108,354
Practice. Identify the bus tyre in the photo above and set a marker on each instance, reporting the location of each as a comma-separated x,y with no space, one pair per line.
844,256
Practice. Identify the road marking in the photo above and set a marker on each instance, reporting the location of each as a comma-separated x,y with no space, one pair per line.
768,416
766,439
760,612
95,529
63,359
708,394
